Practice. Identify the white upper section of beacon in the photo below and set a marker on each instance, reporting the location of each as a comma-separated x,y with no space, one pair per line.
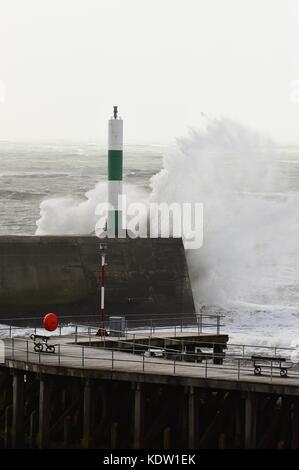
115,134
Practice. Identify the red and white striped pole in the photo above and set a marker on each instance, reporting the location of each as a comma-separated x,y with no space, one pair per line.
102,330
102,310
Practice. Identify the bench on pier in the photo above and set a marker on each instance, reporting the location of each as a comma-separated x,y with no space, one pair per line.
268,362
41,343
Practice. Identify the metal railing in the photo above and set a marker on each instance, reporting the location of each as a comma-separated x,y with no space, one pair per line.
199,323
80,331
231,349
84,357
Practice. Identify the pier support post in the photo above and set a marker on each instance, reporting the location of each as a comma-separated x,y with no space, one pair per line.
238,423
166,438
85,443
114,435
295,425
44,411
250,421
191,418
67,426
17,409
138,416
7,426
33,429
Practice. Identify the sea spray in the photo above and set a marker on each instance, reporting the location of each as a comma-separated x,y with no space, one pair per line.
251,225
74,216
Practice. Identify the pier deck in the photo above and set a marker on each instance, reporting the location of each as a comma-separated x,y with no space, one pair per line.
91,360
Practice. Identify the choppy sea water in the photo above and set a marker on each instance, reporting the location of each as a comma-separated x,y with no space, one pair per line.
31,173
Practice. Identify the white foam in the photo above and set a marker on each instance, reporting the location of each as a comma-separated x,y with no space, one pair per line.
74,216
250,239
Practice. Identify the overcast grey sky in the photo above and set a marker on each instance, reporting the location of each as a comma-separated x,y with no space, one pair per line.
65,63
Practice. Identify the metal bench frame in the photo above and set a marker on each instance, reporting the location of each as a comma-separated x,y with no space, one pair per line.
280,363
41,344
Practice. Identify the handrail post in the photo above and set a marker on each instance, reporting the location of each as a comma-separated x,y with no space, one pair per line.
13,347
238,368
143,362
206,367
10,331
76,334
27,350
174,366
82,357
271,370
59,359
112,359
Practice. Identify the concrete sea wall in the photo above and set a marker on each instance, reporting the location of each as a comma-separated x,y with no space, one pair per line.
145,277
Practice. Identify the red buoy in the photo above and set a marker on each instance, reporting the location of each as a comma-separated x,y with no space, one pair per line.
50,321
